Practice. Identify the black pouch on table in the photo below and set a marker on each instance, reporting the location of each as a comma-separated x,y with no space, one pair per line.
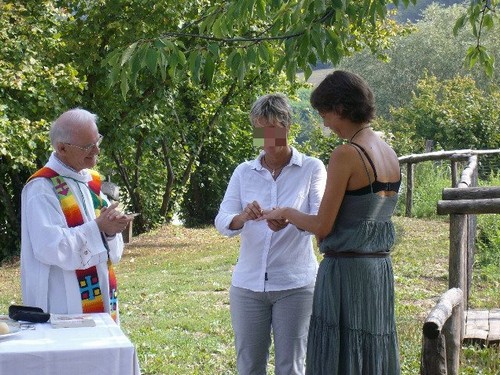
28,314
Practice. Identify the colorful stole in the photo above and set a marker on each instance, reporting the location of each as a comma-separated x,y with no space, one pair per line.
90,290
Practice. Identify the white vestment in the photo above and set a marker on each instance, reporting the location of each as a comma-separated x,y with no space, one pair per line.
51,251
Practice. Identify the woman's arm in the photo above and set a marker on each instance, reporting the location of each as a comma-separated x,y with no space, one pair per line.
230,206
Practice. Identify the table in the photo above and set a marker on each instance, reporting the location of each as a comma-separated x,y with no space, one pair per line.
100,350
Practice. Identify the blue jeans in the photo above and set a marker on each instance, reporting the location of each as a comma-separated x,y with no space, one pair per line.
285,313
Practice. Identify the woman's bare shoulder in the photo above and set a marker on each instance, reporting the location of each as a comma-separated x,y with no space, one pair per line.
345,150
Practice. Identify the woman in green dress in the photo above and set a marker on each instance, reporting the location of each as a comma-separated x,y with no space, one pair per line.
352,329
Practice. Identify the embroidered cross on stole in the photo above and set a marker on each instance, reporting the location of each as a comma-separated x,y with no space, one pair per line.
88,280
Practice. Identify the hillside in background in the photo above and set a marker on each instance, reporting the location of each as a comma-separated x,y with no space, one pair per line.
414,12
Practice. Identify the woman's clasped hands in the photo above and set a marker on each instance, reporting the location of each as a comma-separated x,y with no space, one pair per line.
275,222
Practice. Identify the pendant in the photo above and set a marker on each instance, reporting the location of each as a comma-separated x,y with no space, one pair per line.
273,172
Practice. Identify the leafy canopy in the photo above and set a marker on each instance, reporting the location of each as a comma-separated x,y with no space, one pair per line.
284,35
255,35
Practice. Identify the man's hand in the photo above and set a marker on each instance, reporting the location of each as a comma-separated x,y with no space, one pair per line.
112,221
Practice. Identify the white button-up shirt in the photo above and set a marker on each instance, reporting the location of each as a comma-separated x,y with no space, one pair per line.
268,260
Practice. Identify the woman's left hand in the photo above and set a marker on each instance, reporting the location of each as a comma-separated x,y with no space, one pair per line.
274,218
273,214
277,224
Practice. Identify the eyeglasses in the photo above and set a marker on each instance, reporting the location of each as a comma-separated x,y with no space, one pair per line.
89,147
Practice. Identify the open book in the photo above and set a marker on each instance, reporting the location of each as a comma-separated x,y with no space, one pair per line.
71,321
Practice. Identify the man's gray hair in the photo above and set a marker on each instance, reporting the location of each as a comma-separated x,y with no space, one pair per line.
61,129
272,107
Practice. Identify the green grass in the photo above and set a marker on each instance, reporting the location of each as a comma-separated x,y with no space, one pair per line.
175,308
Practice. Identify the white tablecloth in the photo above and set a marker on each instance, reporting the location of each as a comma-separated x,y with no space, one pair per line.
99,350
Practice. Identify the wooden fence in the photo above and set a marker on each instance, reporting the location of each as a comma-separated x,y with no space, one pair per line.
455,157
463,203
442,335
440,354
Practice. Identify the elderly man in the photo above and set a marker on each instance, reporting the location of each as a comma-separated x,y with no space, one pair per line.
70,235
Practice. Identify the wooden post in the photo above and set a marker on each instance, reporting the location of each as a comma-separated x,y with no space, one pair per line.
463,203
467,178
433,361
458,253
442,335
410,167
127,233
472,230
469,253
454,173
429,145
454,330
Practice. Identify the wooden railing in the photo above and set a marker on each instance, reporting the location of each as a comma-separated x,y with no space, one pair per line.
442,335
463,204
455,158
441,354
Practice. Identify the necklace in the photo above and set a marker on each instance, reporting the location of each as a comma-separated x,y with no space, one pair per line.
273,170
363,128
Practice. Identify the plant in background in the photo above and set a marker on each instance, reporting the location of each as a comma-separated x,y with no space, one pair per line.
453,113
429,47
430,179
35,87
488,237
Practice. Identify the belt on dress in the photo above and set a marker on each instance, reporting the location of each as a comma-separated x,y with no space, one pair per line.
351,254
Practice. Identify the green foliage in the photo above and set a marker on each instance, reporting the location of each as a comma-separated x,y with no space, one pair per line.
230,145
488,242
482,18
248,35
430,48
34,87
308,134
413,12
180,111
285,36
454,113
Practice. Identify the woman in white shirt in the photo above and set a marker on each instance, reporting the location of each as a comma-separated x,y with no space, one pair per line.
273,281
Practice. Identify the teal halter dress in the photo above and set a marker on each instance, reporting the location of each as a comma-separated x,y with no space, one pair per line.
353,329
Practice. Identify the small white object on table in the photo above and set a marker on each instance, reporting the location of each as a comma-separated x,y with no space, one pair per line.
100,350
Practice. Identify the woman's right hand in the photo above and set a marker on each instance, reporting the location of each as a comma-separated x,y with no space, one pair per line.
252,211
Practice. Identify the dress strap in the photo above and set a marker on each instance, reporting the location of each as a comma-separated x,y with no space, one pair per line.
358,148
368,157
